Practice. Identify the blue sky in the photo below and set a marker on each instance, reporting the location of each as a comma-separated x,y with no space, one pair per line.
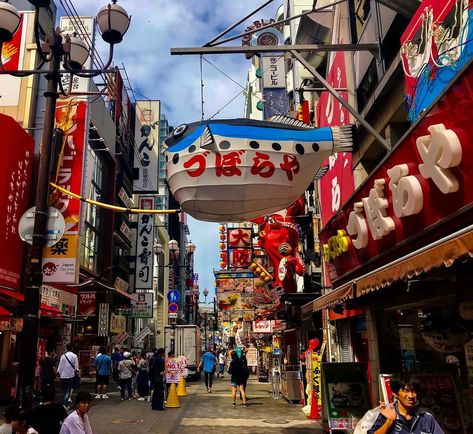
158,25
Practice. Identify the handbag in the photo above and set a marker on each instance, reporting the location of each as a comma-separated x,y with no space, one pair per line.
76,378
367,421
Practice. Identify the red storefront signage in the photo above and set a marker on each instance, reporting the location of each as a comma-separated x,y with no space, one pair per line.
337,185
86,304
423,182
15,181
60,262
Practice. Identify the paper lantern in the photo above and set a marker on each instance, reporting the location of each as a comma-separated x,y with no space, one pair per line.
223,256
235,170
222,228
223,246
223,237
223,265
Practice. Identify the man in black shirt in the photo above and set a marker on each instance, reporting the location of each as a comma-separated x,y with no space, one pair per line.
47,418
48,371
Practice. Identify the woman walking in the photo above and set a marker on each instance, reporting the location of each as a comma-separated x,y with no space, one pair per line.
237,377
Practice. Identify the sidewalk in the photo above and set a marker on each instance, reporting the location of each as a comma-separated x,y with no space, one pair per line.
203,412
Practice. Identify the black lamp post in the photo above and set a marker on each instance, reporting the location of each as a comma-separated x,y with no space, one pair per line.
70,53
206,293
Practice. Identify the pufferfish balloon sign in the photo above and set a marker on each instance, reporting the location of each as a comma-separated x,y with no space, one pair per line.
235,170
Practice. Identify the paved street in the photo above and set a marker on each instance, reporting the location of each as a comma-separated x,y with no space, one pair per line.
201,412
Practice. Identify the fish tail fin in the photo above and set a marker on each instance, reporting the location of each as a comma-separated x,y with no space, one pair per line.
343,138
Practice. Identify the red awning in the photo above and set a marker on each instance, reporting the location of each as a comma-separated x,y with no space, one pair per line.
45,309
4,314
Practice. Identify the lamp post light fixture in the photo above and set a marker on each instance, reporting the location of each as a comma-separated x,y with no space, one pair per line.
69,53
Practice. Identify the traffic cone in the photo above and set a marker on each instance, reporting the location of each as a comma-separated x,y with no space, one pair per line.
181,389
172,399
314,408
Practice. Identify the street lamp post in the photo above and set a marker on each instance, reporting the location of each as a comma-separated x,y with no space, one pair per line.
206,293
174,251
72,53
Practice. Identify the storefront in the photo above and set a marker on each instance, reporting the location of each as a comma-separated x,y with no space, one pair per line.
400,249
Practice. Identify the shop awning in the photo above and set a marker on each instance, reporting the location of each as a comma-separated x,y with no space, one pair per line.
337,296
443,252
4,314
45,309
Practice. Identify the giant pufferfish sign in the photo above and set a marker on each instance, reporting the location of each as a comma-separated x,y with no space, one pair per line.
238,169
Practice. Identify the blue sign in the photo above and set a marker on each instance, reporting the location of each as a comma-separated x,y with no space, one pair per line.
173,296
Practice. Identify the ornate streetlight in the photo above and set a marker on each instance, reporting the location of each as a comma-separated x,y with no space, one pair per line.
65,55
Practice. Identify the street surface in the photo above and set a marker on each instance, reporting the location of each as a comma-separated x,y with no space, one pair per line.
201,412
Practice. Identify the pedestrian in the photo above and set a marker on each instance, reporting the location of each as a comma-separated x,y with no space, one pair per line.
156,374
222,361
8,414
116,357
78,421
103,365
142,379
125,370
245,372
135,357
48,371
48,417
207,364
67,370
236,371
21,423
404,417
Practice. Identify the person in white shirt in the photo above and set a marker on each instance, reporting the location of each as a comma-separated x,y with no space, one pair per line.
21,423
78,421
7,419
222,361
68,366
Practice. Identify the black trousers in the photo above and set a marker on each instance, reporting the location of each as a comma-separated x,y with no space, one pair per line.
208,379
157,402
125,383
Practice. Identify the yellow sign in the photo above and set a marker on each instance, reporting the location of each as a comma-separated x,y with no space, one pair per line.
337,245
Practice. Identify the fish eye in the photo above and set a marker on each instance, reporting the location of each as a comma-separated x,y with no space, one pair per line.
181,129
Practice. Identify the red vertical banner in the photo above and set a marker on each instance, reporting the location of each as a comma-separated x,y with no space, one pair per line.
337,185
15,181
61,262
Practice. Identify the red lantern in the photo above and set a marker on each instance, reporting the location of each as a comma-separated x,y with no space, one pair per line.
223,265
223,256
222,228
223,237
223,246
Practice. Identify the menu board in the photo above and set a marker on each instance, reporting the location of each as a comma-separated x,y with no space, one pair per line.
252,356
437,395
346,390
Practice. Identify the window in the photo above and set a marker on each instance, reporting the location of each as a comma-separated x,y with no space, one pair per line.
367,85
92,236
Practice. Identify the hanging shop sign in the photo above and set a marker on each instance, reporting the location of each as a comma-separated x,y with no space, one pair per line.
402,198
143,308
103,319
65,301
127,201
238,169
125,230
145,331
16,168
13,54
147,115
144,245
434,49
86,303
121,284
117,323
274,72
61,261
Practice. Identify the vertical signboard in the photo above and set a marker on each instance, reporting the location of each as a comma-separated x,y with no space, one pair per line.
12,58
61,262
274,91
147,141
144,245
15,181
102,324
84,28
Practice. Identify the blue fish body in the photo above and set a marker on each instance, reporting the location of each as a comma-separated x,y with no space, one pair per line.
238,169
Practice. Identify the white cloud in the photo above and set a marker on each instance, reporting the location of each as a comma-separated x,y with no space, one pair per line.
158,25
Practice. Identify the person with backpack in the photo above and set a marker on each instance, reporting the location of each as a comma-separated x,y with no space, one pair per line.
103,365
126,370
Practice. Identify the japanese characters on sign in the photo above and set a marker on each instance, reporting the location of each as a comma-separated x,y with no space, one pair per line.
15,176
86,303
147,137
59,299
274,72
84,28
102,329
61,262
144,245
143,308
117,323
401,199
